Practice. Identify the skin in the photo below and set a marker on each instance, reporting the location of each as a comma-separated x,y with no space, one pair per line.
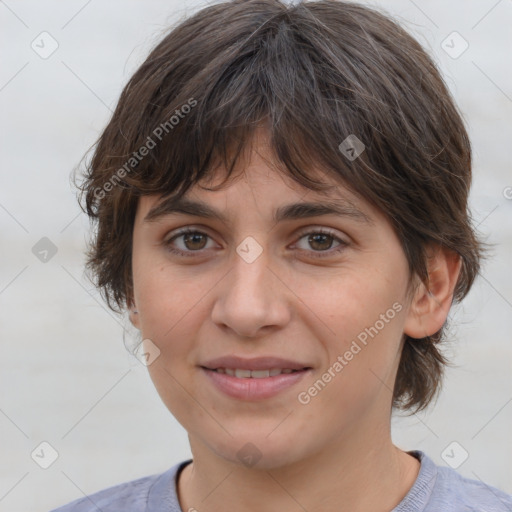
334,454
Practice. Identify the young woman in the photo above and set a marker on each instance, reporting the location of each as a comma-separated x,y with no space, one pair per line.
281,199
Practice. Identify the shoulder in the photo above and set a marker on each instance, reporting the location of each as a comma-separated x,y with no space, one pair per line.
453,492
453,488
130,496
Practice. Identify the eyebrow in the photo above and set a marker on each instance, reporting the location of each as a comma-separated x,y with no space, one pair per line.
286,212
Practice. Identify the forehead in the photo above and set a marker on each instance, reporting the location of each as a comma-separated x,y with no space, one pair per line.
259,179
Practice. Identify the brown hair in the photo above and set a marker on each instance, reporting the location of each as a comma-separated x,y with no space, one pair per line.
311,73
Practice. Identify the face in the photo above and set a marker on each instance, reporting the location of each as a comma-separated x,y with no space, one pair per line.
325,292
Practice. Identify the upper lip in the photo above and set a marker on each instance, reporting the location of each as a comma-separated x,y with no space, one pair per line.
258,363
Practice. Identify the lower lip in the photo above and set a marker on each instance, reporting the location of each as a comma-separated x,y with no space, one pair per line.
254,389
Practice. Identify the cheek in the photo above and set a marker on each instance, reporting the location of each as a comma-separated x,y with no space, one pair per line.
363,317
172,309
349,302
161,294
166,306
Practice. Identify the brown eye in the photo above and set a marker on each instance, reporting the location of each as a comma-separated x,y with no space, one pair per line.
319,243
194,241
190,241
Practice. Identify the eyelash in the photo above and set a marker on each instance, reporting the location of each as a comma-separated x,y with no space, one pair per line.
315,254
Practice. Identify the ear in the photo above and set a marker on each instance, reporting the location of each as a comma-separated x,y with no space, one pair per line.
432,300
133,314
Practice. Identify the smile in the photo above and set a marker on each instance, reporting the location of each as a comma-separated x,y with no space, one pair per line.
254,374
253,385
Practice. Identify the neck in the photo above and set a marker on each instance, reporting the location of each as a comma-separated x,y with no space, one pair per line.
353,476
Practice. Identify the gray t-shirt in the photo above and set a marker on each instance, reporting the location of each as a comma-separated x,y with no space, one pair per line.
436,489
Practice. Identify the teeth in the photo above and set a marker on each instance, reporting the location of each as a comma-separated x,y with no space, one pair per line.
242,373
254,374
260,374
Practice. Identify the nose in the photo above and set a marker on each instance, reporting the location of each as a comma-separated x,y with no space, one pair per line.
252,298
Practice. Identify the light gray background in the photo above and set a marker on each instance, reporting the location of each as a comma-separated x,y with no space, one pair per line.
66,377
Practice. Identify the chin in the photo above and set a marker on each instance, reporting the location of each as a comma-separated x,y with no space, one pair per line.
259,453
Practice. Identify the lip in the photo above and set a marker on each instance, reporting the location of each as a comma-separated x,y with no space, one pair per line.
251,389
258,363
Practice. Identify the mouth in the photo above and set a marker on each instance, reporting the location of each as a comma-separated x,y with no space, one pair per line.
242,373
254,385
254,379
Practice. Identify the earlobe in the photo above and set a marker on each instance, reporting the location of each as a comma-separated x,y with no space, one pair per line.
134,318
431,303
134,315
